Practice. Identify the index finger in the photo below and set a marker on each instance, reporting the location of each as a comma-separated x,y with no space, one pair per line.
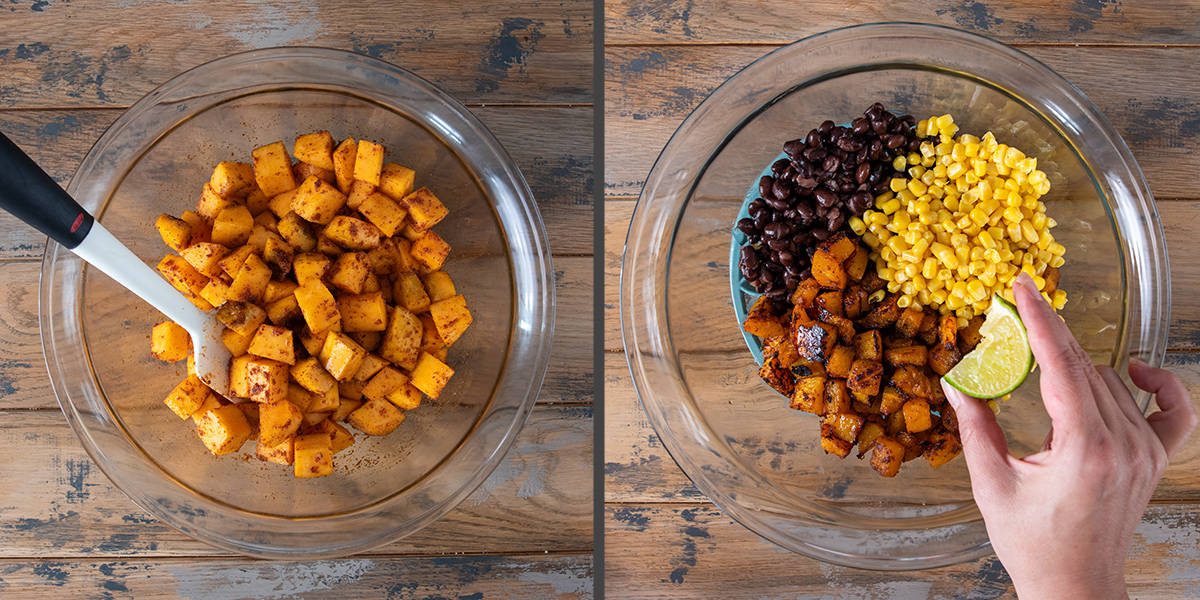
1066,368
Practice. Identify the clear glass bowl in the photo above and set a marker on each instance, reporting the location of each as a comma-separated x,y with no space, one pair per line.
154,159
736,438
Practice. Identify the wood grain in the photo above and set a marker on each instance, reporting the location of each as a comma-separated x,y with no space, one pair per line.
650,90
1040,22
557,164
695,551
57,503
1180,219
110,53
24,383
554,576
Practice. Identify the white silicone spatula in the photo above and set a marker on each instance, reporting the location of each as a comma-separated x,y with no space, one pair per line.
31,195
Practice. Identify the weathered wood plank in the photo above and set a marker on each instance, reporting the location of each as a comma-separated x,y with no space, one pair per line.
111,53
55,502
695,551
650,90
638,467
1044,22
558,576
24,383
1180,219
552,145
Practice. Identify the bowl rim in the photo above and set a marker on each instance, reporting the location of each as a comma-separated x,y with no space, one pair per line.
533,293
634,315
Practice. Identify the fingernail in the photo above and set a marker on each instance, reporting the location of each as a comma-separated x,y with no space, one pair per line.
953,396
1025,282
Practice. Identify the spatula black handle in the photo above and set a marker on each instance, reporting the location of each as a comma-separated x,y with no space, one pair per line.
29,193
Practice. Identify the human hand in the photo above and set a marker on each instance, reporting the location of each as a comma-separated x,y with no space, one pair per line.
1062,520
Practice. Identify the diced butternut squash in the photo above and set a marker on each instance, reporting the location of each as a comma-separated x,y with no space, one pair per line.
317,201
187,396
223,430
241,317
297,232
451,317
341,356
424,209
312,376
175,233
267,380
250,282
274,343
343,163
809,395
865,377
396,181
353,234
349,272
359,192
828,271
315,149
761,322
941,448
384,382
410,293
273,169
363,312
318,306
401,343
345,407
239,382
340,438
438,285
233,179
916,415
313,455
406,397
277,421
371,365
383,212
840,361
887,456
368,162
430,251
201,229
431,375
169,342
376,417
185,278
211,402
237,343
211,203
282,453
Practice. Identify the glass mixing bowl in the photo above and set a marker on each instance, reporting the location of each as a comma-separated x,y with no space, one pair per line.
736,438
155,159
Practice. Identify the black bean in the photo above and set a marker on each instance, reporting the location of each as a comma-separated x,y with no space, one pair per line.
831,163
859,202
779,166
863,172
764,185
761,220
815,154
780,190
825,198
860,126
777,244
826,127
746,226
836,220
821,235
793,147
813,139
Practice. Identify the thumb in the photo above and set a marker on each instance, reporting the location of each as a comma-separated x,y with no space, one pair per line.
984,446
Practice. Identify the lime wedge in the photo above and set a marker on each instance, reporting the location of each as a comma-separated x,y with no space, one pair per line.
1001,361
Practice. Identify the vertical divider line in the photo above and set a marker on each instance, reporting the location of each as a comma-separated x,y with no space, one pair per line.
598,300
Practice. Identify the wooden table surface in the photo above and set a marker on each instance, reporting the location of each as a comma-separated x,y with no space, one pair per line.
68,69
1135,60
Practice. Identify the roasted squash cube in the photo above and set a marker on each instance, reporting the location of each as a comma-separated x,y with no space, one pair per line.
273,169
431,375
313,418
815,342
352,234
251,280
313,454
761,322
281,204
885,313
371,365
187,396
359,191
206,257
831,302
868,345
312,376
215,292
363,312
343,163
267,380
845,426
855,301
916,415
837,398
274,343
210,402
865,376
438,285
832,444
310,267
396,181
318,306
201,229
341,356
239,383
233,179
915,356
406,397
175,233
282,453
451,317
430,251
424,209
383,212
809,395
777,376
856,265
232,263
431,340
887,456
828,271
910,321
349,272
912,381
169,342
278,421
315,149
241,317
278,255
839,246
297,232
340,438
401,343
345,407
376,417
870,432
299,396
368,162
317,201
891,401
223,430
941,448
840,361
324,403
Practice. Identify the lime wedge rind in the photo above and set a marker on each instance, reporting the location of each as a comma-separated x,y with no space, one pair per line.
1001,361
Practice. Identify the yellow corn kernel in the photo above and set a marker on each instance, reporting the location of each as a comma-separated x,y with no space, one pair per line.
857,226
897,184
899,163
903,301
1058,299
